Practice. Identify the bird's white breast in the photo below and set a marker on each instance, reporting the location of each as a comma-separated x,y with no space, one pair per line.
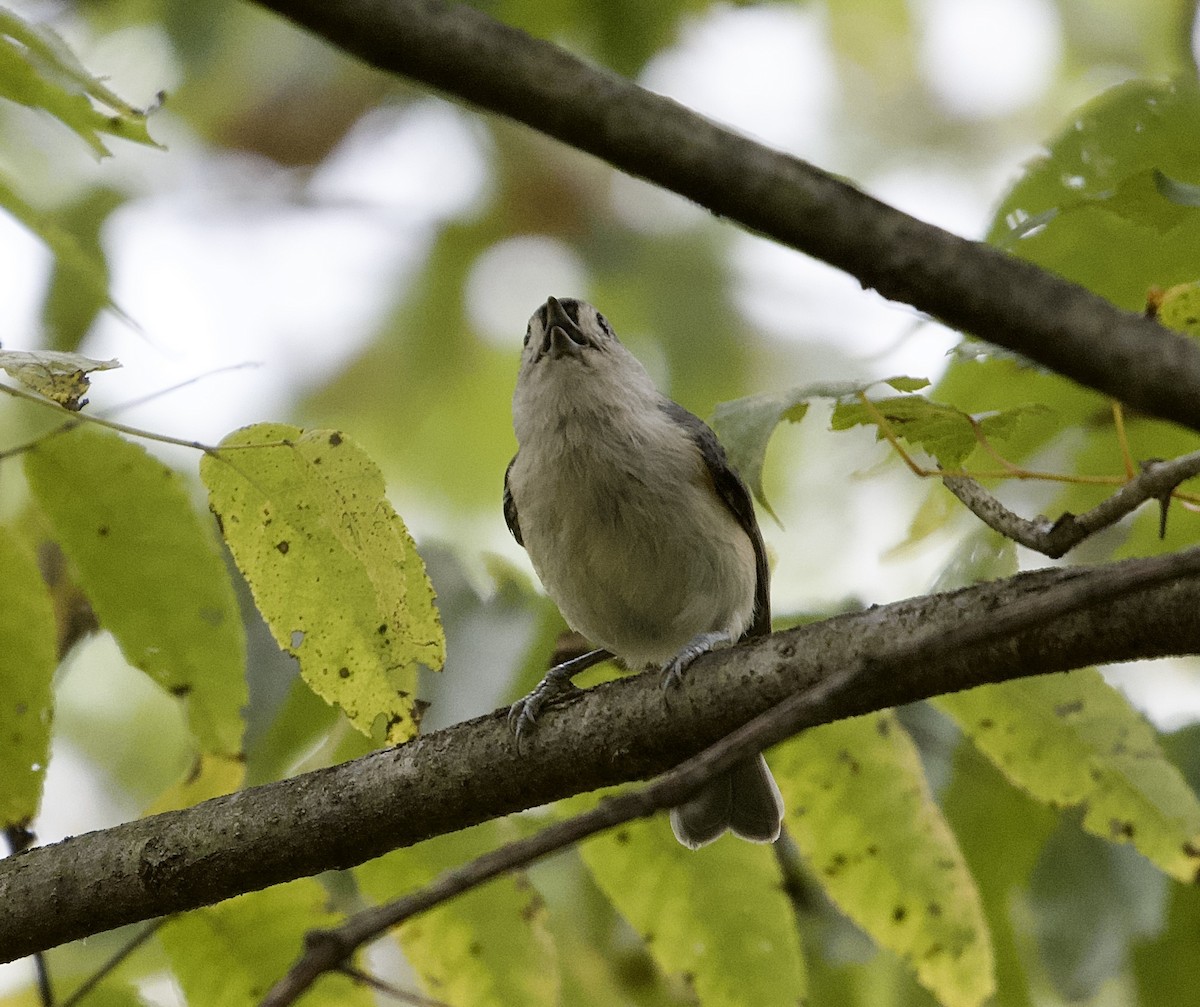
621,520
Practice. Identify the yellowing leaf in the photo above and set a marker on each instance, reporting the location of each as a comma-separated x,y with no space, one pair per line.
860,809
1073,740
210,776
27,662
230,954
717,915
109,993
332,568
1179,308
152,571
487,948
62,377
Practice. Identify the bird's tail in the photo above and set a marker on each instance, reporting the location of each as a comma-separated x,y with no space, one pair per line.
745,800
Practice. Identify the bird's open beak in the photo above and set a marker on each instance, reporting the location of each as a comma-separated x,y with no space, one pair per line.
563,336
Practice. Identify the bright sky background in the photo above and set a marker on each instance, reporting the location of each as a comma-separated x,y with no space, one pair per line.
219,267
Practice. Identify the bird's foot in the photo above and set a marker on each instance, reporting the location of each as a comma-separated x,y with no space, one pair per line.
556,688
699,645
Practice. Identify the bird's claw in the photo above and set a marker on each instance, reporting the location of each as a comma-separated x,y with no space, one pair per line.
698,646
523,714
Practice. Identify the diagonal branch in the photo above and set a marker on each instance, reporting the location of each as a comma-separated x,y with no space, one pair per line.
1157,481
969,285
344,815
326,950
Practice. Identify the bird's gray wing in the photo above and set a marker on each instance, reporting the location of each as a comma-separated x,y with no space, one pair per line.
510,507
736,496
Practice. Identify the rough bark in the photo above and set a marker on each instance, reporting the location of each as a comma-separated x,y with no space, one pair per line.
1049,620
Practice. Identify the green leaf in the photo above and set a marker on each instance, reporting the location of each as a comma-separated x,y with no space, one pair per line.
1180,193
208,777
906,384
488,947
938,509
229,955
109,993
299,722
745,425
1166,968
27,662
1140,199
152,571
76,265
1001,831
1072,740
69,308
332,568
39,70
717,916
946,433
1102,218
861,811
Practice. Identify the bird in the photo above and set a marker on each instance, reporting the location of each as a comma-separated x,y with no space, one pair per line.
641,532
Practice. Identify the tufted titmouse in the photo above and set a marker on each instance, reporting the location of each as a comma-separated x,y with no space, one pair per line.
640,530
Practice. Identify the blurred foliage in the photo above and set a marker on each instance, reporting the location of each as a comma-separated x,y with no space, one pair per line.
991,870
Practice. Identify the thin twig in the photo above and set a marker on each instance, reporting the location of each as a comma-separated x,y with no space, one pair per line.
1118,415
326,950
170,389
1157,481
123,428
383,987
122,953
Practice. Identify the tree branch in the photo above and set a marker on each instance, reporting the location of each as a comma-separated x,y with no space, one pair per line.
626,730
326,950
1157,481
969,285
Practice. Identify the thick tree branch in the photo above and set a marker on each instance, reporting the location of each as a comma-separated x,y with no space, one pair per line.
971,286
327,950
626,730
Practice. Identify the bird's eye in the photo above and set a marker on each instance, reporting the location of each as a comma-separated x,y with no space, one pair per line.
604,324
528,333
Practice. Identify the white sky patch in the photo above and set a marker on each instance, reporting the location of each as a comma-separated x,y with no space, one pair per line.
794,297
424,161
951,200
214,282
985,59
647,208
1166,691
509,280
23,276
240,261
765,70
